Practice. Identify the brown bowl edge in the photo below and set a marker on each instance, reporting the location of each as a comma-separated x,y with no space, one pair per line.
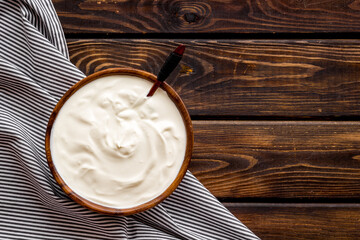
189,145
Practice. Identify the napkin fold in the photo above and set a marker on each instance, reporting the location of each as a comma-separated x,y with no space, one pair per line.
35,72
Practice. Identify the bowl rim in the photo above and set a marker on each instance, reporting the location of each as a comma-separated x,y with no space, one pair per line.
188,152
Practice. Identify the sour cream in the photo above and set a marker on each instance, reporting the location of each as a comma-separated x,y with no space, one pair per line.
114,146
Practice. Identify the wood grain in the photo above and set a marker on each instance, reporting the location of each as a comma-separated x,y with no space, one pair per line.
278,159
208,16
244,78
299,221
251,79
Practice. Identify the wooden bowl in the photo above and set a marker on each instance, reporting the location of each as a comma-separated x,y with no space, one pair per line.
189,143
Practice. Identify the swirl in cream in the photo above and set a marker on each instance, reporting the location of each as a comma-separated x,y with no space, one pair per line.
116,147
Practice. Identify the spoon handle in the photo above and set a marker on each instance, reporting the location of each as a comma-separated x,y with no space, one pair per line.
170,64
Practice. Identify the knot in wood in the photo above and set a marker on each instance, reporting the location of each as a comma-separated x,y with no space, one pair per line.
191,17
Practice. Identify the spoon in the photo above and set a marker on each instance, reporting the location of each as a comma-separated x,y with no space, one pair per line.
170,63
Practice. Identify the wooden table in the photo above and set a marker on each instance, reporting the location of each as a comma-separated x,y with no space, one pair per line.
273,88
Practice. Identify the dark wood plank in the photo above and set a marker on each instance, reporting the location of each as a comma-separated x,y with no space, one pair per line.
300,221
277,159
208,16
246,78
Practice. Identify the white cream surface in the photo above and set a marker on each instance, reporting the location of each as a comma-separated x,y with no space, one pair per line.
116,147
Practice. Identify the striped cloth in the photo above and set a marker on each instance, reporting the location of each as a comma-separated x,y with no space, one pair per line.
35,72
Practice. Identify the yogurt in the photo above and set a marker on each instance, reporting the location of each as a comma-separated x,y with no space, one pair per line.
116,147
